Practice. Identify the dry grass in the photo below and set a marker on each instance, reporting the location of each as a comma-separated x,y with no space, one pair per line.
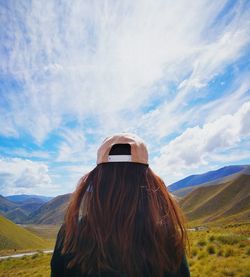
13,237
37,265
219,251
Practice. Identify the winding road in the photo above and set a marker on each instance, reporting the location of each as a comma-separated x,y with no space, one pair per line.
25,254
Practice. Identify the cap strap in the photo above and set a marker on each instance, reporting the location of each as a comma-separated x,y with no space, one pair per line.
119,158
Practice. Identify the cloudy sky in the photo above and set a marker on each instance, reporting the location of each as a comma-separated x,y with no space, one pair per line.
73,72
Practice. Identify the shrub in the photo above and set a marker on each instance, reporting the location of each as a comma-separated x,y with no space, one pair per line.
248,252
229,239
34,256
201,243
211,249
229,252
191,263
202,255
228,272
220,253
212,238
194,252
242,245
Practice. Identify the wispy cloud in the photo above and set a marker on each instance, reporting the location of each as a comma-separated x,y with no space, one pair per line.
76,72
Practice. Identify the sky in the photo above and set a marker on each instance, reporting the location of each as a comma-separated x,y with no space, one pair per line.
176,73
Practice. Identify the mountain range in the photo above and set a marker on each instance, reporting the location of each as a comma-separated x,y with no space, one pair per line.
51,212
18,207
210,176
28,198
226,201
217,195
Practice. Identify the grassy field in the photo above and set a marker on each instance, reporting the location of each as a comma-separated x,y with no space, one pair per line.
220,251
48,232
35,266
215,252
16,238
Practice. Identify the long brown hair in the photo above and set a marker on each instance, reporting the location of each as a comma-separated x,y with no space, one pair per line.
121,218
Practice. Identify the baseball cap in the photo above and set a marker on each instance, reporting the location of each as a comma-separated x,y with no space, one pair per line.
139,152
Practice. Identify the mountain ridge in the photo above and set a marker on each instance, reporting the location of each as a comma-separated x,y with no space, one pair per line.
18,211
218,202
209,176
33,211
51,212
27,197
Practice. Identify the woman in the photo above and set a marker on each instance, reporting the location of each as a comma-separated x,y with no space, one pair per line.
121,220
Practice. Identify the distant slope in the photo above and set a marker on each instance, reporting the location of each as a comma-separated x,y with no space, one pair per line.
223,201
19,211
180,193
17,215
25,197
51,212
209,176
13,236
6,205
31,205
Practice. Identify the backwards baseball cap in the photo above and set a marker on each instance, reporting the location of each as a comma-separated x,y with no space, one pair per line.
139,152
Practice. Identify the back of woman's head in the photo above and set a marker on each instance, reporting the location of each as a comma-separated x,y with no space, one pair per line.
121,218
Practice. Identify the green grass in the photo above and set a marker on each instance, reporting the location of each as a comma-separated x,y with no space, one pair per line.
48,232
15,239
13,236
217,252
221,203
37,265
220,251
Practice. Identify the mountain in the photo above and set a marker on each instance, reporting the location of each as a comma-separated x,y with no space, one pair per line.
195,180
31,209
17,215
180,193
19,211
222,202
25,197
51,212
13,236
6,205
31,205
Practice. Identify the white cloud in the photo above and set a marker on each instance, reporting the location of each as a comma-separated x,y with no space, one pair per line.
101,64
99,59
24,176
196,146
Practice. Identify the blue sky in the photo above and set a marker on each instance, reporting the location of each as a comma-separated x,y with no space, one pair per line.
71,73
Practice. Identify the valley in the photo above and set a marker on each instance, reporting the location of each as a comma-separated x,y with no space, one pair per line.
218,222
216,251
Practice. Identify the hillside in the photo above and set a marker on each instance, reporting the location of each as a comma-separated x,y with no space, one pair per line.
51,212
16,215
6,205
25,197
13,236
180,193
226,201
210,176
18,211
